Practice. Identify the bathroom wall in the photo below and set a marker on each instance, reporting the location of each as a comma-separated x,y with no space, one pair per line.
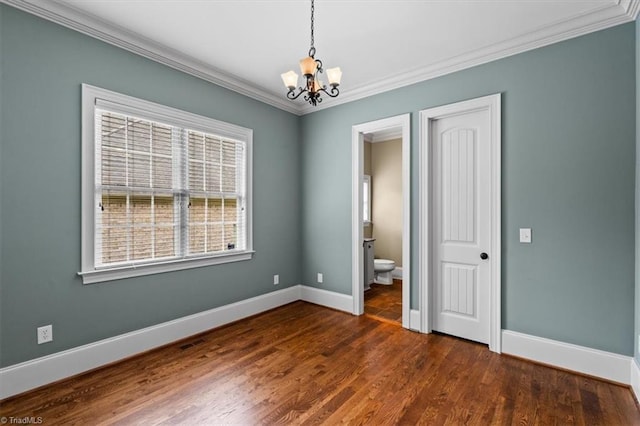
386,196
367,231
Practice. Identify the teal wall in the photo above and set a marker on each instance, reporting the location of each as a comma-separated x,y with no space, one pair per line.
568,149
42,68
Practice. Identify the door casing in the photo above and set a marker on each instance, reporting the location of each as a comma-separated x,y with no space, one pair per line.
357,261
492,103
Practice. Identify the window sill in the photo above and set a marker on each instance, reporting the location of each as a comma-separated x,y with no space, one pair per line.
129,271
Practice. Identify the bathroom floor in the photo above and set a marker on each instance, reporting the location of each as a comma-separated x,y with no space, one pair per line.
384,301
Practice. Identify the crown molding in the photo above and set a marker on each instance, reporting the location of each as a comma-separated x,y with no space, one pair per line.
90,25
631,7
384,135
607,16
620,12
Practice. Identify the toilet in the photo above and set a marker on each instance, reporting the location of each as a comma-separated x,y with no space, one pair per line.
382,269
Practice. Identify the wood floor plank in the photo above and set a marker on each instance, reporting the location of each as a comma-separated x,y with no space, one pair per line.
304,364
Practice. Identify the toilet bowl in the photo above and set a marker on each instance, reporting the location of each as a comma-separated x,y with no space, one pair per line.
382,269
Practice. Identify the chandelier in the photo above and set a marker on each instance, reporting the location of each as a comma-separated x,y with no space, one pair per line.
310,68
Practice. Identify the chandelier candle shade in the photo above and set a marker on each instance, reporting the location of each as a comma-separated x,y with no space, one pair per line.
310,67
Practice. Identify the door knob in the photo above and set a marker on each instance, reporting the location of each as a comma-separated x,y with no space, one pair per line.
484,256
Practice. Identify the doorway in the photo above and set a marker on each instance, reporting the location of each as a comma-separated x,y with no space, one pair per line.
460,174
398,127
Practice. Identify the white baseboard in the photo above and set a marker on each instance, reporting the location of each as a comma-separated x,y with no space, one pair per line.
414,320
397,273
581,359
635,379
329,299
31,374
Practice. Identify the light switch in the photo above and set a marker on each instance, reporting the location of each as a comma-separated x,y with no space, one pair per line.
525,235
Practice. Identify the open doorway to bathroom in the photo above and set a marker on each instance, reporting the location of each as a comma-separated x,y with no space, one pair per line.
382,216
381,219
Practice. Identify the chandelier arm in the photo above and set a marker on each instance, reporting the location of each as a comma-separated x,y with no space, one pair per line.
334,92
290,93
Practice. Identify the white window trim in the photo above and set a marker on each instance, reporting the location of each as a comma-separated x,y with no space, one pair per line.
367,179
92,96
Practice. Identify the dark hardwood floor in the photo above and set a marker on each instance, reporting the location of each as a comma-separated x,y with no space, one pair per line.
304,364
384,301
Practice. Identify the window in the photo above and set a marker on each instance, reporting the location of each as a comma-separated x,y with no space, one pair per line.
162,189
366,200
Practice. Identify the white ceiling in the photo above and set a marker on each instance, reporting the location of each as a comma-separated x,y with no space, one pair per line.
379,44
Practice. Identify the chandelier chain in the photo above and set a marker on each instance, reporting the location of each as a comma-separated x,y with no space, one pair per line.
312,10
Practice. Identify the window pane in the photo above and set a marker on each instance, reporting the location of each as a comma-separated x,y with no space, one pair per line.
215,210
114,165
195,146
140,207
230,236
228,179
114,244
213,177
114,210
141,242
139,135
113,131
139,170
214,238
141,219
197,210
113,149
230,210
114,228
229,153
161,140
163,212
196,176
162,172
196,238
164,241
212,149
165,228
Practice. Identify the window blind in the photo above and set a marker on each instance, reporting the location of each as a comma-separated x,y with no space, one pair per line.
216,199
165,191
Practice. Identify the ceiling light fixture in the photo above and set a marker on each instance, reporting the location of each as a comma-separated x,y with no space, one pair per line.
310,68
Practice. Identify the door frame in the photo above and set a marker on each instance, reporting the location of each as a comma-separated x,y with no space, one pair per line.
357,170
492,103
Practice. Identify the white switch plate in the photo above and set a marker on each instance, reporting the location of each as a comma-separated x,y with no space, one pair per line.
276,279
320,277
525,235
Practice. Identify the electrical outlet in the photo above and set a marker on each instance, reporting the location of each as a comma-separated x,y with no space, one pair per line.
320,277
45,334
276,279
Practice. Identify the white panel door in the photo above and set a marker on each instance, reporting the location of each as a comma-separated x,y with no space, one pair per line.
462,225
